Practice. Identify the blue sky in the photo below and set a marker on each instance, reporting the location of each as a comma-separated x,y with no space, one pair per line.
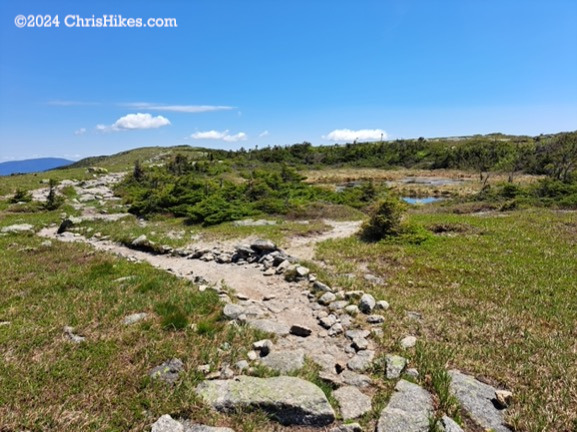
245,73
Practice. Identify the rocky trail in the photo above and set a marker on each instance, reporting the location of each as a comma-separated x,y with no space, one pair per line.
268,289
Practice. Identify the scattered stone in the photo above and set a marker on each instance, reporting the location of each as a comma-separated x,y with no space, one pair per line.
355,379
338,305
477,399
300,330
264,347
233,311
271,271
336,329
242,297
268,297
352,402
354,295
284,361
252,355
408,410
226,372
361,361
503,398
375,280
367,303
250,222
134,318
190,427
319,287
242,365
5,323
450,425
18,228
349,427
263,246
140,241
46,243
412,372
328,321
408,342
290,400
394,366
382,305
70,334
168,371
269,326
283,266
352,310
375,319
302,272
167,424
345,319
327,298
353,334
204,369
360,344
415,316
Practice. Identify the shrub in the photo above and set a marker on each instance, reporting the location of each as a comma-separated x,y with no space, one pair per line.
53,201
385,219
21,196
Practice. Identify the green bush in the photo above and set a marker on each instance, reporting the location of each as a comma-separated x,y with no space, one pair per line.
385,219
21,196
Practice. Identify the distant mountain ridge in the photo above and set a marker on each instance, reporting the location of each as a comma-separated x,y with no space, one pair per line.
32,165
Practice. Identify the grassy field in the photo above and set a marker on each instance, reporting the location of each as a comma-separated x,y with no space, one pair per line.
497,295
496,291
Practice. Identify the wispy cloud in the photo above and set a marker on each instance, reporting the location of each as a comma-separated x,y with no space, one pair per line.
193,109
348,135
80,131
217,135
263,134
133,122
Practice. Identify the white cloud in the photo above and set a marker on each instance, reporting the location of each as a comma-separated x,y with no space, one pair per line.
348,135
263,134
217,135
80,131
135,121
177,108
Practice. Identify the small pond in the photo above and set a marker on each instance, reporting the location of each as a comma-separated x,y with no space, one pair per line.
420,201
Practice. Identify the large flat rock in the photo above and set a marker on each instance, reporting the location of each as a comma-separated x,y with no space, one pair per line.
408,410
290,400
477,399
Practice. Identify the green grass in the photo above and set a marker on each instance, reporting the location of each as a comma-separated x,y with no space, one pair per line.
498,293
102,384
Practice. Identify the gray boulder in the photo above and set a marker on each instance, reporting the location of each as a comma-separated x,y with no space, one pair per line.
361,361
290,400
352,402
263,246
408,410
269,326
477,399
284,361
